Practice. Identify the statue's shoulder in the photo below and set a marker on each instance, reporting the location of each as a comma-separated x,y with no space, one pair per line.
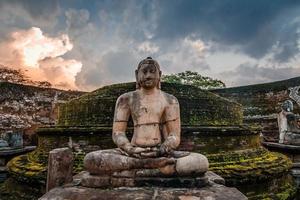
125,98
126,95
171,99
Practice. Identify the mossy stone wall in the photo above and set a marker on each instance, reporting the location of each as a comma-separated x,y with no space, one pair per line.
198,107
262,102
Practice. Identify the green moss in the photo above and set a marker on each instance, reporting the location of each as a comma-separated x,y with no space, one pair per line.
198,107
249,166
280,189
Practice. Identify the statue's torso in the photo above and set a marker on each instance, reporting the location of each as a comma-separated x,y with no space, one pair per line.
147,112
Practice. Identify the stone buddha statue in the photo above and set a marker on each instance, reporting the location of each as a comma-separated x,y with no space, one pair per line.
289,132
156,133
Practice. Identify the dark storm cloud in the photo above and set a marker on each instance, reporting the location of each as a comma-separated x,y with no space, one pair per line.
110,36
248,24
250,73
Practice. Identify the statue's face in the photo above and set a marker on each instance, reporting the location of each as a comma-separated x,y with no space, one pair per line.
148,76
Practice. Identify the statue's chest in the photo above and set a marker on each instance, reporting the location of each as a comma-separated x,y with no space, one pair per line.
148,110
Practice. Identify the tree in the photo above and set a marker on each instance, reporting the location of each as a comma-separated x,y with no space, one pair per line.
195,79
18,76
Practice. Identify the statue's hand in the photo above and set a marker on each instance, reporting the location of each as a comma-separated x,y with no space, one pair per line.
164,149
134,151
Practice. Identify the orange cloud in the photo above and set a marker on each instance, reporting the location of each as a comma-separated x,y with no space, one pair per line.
40,57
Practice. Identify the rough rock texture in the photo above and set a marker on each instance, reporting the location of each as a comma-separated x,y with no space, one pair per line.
24,107
216,192
60,167
96,181
195,163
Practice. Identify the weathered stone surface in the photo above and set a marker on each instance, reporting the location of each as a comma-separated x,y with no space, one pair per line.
24,107
122,182
87,180
215,178
214,192
60,166
193,164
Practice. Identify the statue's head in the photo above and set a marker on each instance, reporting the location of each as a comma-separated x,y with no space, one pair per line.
287,106
148,74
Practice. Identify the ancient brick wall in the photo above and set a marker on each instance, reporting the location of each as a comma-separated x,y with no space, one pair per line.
24,108
262,102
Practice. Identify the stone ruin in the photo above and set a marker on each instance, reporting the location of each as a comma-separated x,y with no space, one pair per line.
207,121
11,144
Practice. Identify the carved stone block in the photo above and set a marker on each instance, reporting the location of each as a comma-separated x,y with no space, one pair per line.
60,166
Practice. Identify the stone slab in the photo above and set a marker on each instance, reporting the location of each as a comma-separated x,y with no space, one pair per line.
282,147
8,151
87,180
215,192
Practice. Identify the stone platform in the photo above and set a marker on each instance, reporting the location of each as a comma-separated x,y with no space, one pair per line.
92,181
215,192
88,187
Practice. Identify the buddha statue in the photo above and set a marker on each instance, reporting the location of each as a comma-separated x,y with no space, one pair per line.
289,132
156,133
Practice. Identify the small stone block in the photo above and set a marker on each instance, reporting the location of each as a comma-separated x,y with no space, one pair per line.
173,182
60,164
122,182
95,181
125,174
215,178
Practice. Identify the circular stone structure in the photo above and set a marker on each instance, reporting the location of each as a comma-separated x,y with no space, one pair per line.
211,125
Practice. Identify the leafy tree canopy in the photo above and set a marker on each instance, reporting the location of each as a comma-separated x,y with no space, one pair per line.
195,79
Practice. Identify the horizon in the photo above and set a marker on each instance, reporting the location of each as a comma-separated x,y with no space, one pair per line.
84,45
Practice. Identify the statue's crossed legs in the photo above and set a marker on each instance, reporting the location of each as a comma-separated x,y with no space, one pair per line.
106,162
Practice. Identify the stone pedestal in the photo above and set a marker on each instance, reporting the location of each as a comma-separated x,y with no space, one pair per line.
85,179
60,166
214,191
128,187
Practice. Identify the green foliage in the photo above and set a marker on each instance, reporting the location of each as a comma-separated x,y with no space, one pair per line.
195,79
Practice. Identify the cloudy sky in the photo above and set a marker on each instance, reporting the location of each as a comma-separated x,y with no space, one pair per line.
79,44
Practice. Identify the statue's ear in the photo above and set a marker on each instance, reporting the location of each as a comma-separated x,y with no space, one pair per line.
159,82
136,75
137,86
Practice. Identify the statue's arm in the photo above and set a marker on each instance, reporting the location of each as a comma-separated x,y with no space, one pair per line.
171,127
121,117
